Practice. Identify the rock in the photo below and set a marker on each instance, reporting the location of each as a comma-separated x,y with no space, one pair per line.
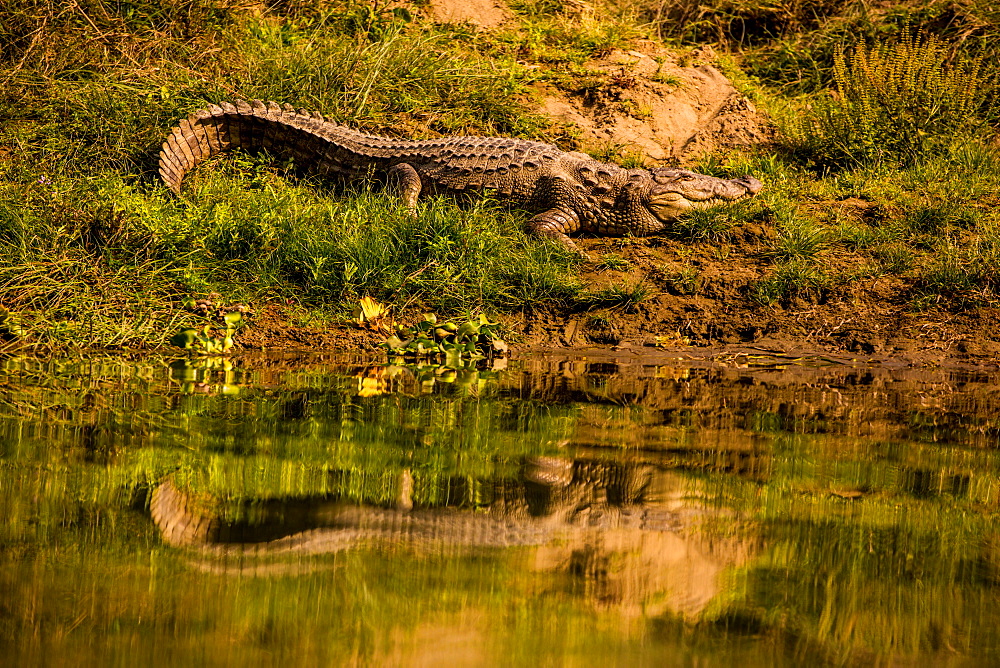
652,106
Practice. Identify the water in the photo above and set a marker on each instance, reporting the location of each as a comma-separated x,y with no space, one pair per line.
321,510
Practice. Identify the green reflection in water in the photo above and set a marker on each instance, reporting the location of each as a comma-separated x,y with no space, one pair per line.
558,511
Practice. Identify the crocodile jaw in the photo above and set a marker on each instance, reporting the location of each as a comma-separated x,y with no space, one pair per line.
677,192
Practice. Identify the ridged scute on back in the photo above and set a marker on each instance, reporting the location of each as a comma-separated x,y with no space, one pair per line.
249,125
323,147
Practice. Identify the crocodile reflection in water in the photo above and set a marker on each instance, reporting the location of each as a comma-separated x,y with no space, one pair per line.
581,517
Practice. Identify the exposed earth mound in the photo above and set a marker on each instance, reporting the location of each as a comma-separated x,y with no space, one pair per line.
481,13
654,108
651,107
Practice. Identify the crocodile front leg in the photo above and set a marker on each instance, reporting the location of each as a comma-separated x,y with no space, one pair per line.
555,223
406,182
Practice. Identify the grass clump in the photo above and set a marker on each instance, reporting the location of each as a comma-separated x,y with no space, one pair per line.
625,296
792,278
420,73
899,101
791,46
960,274
716,224
683,279
895,258
798,237
613,262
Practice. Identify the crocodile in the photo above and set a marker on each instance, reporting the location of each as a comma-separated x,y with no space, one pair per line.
556,497
566,192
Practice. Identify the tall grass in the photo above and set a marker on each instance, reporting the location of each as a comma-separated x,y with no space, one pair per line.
899,102
98,253
791,45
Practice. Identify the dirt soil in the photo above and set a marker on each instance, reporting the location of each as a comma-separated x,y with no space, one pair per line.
479,13
650,106
699,295
870,319
868,322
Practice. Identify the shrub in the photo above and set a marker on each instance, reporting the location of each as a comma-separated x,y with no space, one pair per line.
896,102
792,278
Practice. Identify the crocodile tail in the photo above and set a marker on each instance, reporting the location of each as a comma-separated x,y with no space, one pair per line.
177,518
305,137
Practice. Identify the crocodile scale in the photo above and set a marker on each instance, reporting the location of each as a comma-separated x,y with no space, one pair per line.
566,192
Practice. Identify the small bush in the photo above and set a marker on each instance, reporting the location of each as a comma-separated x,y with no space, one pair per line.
620,295
793,278
897,102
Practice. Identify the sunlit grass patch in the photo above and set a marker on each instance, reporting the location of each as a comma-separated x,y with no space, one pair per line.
425,72
960,274
898,101
612,262
798,237
335,248
854,234
625,295
106,262
556,32
937,218
791,278
895,258
717,223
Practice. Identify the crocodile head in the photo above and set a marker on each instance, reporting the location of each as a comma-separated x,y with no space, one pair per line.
674,192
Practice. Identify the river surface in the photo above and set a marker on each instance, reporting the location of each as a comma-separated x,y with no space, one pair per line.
323,510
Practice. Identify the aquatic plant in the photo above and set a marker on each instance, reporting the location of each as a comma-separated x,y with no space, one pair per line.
210,340
448,343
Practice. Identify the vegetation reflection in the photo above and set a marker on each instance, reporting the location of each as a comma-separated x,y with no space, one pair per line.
342,511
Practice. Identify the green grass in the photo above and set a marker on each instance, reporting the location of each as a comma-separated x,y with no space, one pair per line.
798,238
98,253
561,33
792,46
683,279
252,234
892,107
613,262
794,277
625,296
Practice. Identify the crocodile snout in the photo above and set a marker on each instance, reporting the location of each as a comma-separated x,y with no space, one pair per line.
752,185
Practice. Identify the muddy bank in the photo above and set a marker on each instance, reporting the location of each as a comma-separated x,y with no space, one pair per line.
704,295
698,299
667,329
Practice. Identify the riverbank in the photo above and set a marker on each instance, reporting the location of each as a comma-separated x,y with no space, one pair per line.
877,232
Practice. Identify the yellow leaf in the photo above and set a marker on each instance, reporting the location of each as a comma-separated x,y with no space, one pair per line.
368,309
371,308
